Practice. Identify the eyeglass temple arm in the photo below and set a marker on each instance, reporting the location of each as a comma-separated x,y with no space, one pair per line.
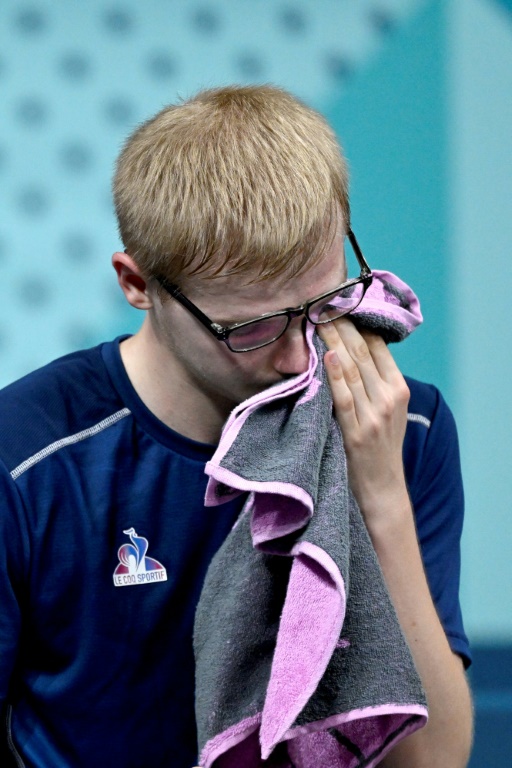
365,267
175,292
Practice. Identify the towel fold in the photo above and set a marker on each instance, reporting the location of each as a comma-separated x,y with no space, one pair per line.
300,659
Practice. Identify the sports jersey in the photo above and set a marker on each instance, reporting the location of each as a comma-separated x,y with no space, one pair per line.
105,542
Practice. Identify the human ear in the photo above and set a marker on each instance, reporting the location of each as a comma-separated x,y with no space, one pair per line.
132,281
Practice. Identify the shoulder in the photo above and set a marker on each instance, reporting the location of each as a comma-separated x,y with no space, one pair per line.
431,428
426,399
432,466
66,396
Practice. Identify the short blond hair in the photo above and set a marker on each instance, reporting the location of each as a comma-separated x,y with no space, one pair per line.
236,180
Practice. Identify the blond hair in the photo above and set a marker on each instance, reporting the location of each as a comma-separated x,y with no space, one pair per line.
237,180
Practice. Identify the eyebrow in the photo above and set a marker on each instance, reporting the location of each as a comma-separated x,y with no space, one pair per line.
227,323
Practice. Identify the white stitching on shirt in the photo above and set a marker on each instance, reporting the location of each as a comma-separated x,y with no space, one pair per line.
10,742
40,455
108,422
419,419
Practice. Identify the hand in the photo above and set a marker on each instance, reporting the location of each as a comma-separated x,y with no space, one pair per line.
370,403
370,400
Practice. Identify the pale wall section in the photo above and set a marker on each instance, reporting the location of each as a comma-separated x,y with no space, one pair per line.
481,173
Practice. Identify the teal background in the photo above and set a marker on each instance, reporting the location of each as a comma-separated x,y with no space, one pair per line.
420,94
393,120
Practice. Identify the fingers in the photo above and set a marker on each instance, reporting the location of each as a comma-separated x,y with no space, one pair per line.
343,398
366,371
362,360
370,403
364,347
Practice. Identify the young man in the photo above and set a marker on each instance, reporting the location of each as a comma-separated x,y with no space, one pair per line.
239,198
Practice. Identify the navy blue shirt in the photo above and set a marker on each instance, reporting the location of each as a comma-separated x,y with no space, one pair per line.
105,542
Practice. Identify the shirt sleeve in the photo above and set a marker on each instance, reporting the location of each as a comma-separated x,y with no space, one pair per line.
12,560
433,471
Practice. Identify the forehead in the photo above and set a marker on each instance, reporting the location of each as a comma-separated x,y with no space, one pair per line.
252,296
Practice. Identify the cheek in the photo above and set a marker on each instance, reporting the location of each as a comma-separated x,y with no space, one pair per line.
250,363
210,359
241,374
230,366
182,334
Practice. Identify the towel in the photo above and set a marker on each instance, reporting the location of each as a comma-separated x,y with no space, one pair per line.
300,659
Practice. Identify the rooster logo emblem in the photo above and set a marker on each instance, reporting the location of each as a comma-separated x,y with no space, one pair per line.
135,567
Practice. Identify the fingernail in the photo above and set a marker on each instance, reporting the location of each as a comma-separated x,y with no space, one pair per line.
335,359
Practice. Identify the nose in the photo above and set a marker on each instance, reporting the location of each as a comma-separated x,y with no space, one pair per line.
291,350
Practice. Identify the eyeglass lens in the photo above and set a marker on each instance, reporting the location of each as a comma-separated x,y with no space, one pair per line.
336,305
257,334
263,332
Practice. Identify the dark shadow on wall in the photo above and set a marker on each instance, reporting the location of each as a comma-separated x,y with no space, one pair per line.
505,4
491,681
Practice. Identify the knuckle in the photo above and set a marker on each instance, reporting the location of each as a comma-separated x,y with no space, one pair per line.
392,402
354,446
400,393
352,374
344,402
375,340
395,396
361,352
387,406
404,393
373,427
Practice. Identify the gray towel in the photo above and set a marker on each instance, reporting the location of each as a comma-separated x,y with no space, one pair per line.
300,659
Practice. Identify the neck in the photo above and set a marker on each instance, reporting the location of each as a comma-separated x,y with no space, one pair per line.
165,388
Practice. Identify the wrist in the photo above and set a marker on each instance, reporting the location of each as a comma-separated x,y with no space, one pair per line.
388,516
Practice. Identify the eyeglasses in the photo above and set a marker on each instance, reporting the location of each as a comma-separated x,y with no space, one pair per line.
263,330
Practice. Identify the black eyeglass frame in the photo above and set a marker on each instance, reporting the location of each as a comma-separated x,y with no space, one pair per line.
222,333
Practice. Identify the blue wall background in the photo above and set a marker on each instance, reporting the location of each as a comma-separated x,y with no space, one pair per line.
420,94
